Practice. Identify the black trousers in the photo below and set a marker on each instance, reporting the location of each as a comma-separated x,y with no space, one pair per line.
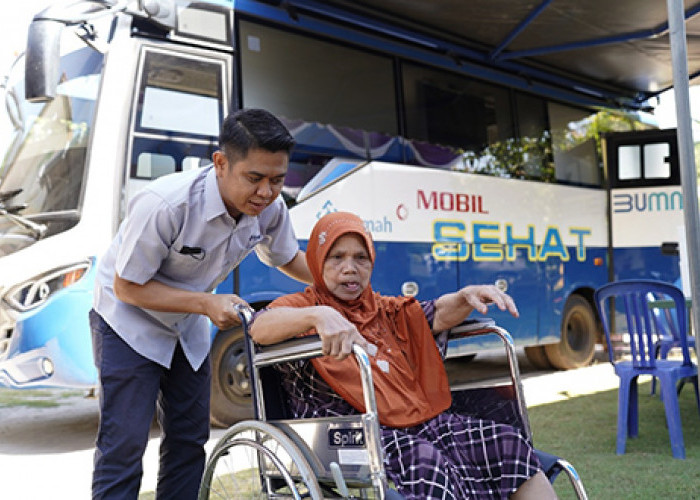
132,388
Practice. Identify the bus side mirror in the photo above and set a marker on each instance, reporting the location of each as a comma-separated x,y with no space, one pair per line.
162,12
42,60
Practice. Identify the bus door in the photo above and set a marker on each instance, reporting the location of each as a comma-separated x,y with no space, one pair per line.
179,106
646,205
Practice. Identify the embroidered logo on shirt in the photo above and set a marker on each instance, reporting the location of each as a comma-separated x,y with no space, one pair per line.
254,239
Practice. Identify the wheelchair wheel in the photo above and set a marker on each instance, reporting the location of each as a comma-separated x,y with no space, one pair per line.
256,460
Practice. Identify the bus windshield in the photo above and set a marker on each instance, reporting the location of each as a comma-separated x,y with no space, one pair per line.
43,162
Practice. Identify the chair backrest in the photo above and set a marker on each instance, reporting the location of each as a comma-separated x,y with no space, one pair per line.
632,297
664,319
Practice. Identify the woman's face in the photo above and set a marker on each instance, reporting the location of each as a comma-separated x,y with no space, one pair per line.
347,268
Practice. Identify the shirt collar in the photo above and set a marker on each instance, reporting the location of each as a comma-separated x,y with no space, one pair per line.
214,205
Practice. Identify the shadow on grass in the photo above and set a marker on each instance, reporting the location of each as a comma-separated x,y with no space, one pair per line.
583,431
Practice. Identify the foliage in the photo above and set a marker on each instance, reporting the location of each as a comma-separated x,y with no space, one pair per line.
532,158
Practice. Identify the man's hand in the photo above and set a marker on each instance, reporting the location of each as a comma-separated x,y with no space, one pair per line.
337,333
221,310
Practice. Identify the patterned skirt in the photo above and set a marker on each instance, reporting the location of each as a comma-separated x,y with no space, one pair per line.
455,456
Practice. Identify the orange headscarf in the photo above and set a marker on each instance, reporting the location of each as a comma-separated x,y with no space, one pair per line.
409,377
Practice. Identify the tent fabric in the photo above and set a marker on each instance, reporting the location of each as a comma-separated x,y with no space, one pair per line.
621,47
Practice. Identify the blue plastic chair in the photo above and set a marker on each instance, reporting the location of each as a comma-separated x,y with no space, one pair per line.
631,296
668,336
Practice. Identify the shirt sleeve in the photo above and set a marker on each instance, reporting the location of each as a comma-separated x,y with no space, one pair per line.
441,338
429,310
145,237
280,244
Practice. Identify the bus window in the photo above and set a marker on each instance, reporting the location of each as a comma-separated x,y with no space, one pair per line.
644,161
642,158
451,110
179,111
630,166
336,100
152,165
574,150
180,95
656,161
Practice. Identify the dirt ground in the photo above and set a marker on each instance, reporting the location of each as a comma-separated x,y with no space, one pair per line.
46,452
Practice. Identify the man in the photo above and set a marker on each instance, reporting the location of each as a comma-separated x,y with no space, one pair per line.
182,235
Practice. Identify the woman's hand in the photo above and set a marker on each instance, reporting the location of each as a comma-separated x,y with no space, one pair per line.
337,333
479,297
452,308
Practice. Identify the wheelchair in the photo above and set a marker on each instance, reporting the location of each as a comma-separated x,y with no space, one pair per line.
275,456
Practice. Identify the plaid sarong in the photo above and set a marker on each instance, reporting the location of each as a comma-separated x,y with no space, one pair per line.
458,457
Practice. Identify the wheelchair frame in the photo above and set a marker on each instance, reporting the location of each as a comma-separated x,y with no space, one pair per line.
319,468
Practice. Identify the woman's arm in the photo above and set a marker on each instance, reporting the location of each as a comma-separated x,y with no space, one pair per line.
452,308
280,323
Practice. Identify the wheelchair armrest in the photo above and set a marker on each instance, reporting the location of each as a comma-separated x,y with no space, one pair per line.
471,327
288,350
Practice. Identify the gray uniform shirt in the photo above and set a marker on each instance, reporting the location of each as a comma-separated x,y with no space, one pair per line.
179,232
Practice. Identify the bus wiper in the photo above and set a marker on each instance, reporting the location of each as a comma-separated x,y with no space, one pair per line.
8,195
38,230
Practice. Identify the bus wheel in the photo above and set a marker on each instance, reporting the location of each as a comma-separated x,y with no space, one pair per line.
578,336
231,399
537,357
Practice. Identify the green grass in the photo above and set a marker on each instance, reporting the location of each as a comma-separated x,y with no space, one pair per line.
36,398
583,431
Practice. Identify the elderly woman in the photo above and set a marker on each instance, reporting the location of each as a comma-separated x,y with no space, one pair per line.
429,452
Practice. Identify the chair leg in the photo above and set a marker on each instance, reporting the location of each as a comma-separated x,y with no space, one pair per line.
633,410
622,414
673,417
697,394
653,379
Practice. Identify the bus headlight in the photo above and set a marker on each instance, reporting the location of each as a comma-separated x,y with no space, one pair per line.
34,292
47,366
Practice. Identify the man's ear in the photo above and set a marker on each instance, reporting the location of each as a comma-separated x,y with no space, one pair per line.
220,162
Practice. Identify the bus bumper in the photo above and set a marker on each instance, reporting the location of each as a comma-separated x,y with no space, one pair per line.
50,346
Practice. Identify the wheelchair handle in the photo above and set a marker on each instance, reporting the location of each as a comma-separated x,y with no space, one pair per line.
244,312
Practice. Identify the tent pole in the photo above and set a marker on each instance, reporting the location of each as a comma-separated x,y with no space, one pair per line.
686,153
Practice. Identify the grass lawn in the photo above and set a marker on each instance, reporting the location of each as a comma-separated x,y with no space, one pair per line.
36,398
583,431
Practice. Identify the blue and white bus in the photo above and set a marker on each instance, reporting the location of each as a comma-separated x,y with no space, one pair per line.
462,174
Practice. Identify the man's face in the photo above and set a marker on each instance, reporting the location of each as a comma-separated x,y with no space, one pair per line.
249,185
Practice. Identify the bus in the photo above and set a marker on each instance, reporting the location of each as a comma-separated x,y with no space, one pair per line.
462,175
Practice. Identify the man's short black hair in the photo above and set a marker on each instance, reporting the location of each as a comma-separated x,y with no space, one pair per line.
248,129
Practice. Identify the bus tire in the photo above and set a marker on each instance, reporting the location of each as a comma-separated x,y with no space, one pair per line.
537,357
231,399
576,347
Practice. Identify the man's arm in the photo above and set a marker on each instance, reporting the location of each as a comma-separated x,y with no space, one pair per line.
280,323
160,297
297,268
452,308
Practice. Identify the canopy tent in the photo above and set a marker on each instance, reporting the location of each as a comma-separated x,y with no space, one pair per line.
616,50
619,53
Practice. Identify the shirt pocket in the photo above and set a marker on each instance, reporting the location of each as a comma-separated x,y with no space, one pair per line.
189,269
